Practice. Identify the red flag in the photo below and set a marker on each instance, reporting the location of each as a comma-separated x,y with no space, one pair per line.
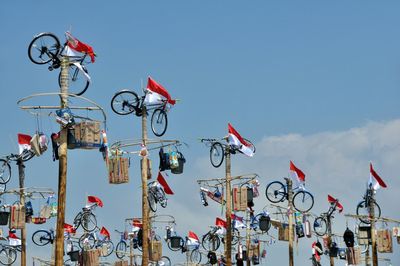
24,142
137,223
299,174
234,138
69,228
220,222
12,235
155,87
193,237
164,184
104,232
336,201
79,46
93,199
377,177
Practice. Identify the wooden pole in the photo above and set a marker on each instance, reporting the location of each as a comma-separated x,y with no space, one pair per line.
62,172
228,191
331,259
21,172
145,203
248,263
131,251
373,237
367,257
290,214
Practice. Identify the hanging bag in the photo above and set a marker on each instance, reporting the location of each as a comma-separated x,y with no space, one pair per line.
17,218
181,161
4,216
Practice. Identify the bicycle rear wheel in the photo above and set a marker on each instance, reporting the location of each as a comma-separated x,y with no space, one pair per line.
41,237
162,198
195,256
125,102
26,155
86,241
217,154
303,201
159,122
164,261
320,226
210,242
5,171
77,81
363,210
120,250
275,192
109,246
77,220
88,221
8,255
152,201
43,48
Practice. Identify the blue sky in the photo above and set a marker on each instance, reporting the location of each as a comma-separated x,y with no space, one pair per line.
314,82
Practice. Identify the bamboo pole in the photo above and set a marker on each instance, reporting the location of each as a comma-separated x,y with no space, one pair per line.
331,259
373,237
290,214
21,173
62,172
145,203
228,244
248,263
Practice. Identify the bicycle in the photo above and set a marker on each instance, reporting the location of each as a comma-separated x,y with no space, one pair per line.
86,218
92,240
363,207
9,249
303,201
213,238
45,48
123,245
218,149
323,223
255,220
156,195
5,167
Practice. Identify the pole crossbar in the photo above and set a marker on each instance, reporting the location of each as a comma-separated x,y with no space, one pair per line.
383,219
223,179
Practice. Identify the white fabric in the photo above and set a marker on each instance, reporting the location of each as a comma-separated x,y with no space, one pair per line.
233,140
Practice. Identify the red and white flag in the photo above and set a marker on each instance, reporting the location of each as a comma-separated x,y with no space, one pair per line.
297,173
235,139
136,225
378,180
105,232
77,46
24,142
221,224
93,199
237,221
68,228
13,239
156,93
193,238
316,250
161,179
332,200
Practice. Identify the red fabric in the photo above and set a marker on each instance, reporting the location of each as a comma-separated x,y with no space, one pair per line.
137,223
164,184
236,218
24,139
158,88
301,176
12,235
69,228
220,222
93,199
232,131
376,176
79,46
192,235
104,232
333,200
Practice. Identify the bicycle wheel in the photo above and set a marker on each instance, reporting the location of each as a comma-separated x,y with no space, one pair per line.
303,201
152,201
217,154
181,244
210,242
363,210
77,81
125,102
68,262
195,256
41,237
251,145
26,155
43,48
77,220
320,226
275,192
88,221
164,261
256,221
86,241
235,236
8,255
5,171
159,122
162,198
120,250
109,245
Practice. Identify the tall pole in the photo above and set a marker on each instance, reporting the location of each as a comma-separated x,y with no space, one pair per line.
21,172
62,172
290,214
228,246
331,259
145,203
248,239
373,238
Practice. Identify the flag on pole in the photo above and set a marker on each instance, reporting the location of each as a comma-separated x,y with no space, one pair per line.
75,45
136,225
234,138
13,239
237,221
332,200
93,199
24,142
221,224
296,172
193,238
69,228
105,232
378,180
156,93
163,183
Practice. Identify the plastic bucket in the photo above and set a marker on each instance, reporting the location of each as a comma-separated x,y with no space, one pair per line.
175,241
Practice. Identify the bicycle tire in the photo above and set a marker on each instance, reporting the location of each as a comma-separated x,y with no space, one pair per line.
303,201
68,262
26,155
120,250
252,147
152,201
182,242
159,122
164,261
275,192
88,221
8,255
210,242
235,237
41,237
5,171
77,220
320,226
217,154
77,81
49,48
363,209
162,199
125,99
256,222
86,241
110,247
195,256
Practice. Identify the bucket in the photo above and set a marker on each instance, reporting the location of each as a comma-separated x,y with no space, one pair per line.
74,255
264,223
4,217
181,162
175,241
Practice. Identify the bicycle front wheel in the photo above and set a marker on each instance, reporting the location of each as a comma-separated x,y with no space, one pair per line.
159,122
152,201
77,80
195,256
77,220
164,261
5,171
210,242
217,154
88,221
303,201
86,241
162,198
120,250
320,226
41,237
26,155
8,255
108,245
43,48
363,210
125,102
275,192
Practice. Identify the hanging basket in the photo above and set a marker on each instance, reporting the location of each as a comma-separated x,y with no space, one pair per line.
176,241
181,162
4,216
264,223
